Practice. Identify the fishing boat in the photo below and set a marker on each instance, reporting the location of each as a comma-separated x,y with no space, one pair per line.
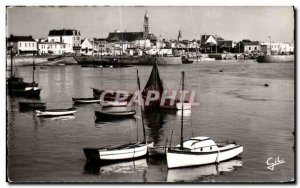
55,112
155,83
23,89
85,100
32,105
114,114
14,82
199,150
128,151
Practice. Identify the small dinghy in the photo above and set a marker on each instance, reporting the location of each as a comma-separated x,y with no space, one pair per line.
32,105
114,114
116,153
55,112
115,103
85,100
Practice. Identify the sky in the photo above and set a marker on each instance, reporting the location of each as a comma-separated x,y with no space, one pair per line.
230,23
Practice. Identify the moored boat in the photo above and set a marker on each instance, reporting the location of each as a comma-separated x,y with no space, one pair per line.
85,100
114,114
128,151
115,103
199,150
55,112
32,105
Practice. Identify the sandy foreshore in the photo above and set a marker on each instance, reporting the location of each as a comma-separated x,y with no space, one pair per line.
28,60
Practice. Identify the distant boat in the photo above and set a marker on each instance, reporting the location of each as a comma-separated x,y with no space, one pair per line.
114,114
56,58
85,100
55,112
32,105
199,150
128,151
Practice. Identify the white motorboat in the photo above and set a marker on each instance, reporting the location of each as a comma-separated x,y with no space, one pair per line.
55,112
199,150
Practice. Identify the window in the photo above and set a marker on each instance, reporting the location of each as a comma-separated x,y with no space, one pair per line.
249,48
20,44
32,44
25,44
255,48
55,46
28,44
77,38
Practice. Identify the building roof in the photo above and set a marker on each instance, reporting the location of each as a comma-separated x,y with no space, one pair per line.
125,36
13,38
63,32
205,37
225,43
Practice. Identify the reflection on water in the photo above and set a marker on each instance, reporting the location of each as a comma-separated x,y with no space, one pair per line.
55,146
186,113
120,167
203,173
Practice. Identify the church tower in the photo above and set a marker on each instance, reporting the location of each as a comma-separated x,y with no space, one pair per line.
179,36
146,25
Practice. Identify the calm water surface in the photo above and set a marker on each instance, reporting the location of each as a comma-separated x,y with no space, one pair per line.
234,105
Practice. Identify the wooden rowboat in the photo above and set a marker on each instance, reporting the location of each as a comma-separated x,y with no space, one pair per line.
55,112
85,100
32,105
114,114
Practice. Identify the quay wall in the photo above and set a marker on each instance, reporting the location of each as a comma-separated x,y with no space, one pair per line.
27,61
275,58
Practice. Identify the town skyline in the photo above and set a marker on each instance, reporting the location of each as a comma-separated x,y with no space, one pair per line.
226,22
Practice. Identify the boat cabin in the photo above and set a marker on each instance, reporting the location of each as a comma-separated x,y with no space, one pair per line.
200,144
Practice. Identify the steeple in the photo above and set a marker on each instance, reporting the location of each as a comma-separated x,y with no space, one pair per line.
146,25
179,36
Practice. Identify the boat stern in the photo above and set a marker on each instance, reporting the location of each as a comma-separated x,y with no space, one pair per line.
91,154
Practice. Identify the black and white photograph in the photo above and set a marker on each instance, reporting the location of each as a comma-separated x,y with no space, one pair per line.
150,94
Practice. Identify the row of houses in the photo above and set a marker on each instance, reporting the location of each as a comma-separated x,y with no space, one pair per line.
69,41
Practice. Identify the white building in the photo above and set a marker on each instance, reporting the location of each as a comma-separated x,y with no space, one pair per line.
51,48
23,45
278,47
70,37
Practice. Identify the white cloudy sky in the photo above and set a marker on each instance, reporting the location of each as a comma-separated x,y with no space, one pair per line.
232,23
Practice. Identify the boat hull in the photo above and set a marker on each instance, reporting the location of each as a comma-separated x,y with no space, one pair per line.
177,159
132,151
85,100
32,105
114,115
27,93
55,113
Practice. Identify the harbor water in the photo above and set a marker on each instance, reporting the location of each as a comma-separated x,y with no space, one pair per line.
234,105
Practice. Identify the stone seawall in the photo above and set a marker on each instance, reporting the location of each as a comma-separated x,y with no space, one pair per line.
275,58
27,60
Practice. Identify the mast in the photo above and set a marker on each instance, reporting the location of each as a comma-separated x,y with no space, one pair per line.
33,68
139,94
11,62
181,131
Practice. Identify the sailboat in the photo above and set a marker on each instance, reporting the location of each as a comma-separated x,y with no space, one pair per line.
199,150
155,83
30,90
14,82
129,151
